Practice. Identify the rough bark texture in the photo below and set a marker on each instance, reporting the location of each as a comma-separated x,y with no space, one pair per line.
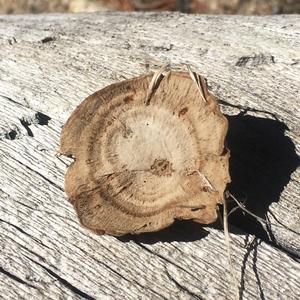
50,63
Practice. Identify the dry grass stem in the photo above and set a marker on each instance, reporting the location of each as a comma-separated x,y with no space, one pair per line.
199,82
241,206
163,71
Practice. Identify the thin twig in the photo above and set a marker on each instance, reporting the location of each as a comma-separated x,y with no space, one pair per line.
237,243
236,207
199,82
261,220
163,71
232,210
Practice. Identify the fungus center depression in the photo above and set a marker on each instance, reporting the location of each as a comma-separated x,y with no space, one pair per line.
162,167
156,142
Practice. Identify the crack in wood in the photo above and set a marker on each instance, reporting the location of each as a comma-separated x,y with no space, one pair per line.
16,278
164,259
255,60
25,233
15,102
39,174
123,277
63,281
182,287
26,249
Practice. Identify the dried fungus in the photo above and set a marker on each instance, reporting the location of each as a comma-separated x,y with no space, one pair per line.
139,165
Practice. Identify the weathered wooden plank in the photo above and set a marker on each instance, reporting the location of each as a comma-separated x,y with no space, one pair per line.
50,63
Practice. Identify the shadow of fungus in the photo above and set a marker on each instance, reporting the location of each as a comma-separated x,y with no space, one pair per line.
134,174
180,231
262,160
253,248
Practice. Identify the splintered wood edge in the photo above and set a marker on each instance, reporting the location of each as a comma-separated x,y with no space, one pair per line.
125,181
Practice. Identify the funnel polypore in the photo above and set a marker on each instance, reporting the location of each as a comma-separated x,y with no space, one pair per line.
139,165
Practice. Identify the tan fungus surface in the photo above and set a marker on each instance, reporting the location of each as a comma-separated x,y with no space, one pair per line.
139,167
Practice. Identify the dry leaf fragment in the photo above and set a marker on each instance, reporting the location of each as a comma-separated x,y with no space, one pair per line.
139,167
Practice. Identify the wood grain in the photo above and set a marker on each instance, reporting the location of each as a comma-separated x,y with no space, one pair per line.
50,63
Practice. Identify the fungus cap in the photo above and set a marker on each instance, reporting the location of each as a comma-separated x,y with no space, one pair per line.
144,159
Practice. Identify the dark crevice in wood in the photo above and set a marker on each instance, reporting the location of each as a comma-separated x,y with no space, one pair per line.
166,259
255,60
26,125
11,135
293,254
132,281
25,233
281,224
47,39
15,102
182,287
39,119
42,176
26,249
16,278
42,119
120,275
23,204
50,213
194,276
63,281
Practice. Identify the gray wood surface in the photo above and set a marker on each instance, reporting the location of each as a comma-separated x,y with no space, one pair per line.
50,63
